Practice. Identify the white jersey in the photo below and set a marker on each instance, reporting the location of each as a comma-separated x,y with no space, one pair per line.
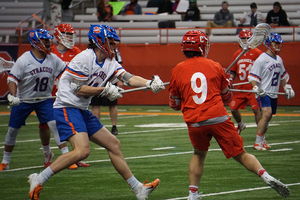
84,67
35,78
268,72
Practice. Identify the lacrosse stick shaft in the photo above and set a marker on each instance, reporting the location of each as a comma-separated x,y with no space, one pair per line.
139,88
243,83
251,91
236,59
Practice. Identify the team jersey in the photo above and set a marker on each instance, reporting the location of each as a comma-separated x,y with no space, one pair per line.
68,55
85,68
34,77
243,66
198,82
268,72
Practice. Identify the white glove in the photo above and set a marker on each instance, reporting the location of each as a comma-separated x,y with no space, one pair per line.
13,101
111,92
259,91
156,85
289,92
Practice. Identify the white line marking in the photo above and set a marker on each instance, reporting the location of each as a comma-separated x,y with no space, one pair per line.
163,148
162,125
233,191
287,149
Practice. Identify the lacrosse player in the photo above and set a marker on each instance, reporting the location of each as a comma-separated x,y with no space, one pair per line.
65,50
266,74
87,75
33,76
240,70
198,87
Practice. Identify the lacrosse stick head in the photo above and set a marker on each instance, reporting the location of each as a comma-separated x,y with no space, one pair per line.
260,34
5,65
65,34
244,35
274,43
195,40
41,40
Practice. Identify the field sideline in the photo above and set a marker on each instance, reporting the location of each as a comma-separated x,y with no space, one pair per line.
156,145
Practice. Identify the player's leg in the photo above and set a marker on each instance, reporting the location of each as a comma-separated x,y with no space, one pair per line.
252,164
105,139
238,103
113,113
44,133
255,108
195,172
95,103
17,119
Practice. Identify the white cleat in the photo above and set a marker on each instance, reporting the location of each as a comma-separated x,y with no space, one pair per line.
259,146
240,128
195,197
278,186
48,159
35,187
143,190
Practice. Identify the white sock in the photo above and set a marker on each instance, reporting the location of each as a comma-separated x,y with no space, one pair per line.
44,176
64,150
46,149
132,181
259,138
193,190
264,175
241,123
6,157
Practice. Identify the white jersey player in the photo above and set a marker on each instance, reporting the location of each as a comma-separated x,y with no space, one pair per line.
87,75
266,74
33,76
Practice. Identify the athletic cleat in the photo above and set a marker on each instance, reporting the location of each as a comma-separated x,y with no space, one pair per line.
259,146
82,164
74,166
48,159
195,197
278,186
265,144
143,190
114,130
4,166
240,128
35,187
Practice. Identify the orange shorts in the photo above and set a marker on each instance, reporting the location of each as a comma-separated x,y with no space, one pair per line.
225,134
241,100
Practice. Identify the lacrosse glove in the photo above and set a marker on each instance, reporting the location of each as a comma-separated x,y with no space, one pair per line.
289,92
259,91
111,92
156,85
13,101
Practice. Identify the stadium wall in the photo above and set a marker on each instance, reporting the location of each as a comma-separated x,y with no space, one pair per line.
147,60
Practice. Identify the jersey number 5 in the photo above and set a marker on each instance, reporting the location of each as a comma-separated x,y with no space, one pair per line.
243,71
202,90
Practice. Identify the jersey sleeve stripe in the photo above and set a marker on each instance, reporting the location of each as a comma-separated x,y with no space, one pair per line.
284,73
59,75
80,74
13,77
254,76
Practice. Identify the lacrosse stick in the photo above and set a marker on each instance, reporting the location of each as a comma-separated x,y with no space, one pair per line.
243,83
33,99
5,65
139,88
252,91
260,34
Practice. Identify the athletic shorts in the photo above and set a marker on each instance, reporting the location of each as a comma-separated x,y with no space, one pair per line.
71,120
103,101
44,112
240,101
225,134
267,101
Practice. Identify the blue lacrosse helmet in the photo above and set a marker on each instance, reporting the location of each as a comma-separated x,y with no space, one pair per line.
36,37
103,36
274,37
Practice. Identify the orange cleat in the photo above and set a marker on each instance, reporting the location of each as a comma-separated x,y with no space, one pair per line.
82,164
74,166
4,166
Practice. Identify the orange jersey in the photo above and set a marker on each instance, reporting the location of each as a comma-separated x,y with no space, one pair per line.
198,82
243,66
68,55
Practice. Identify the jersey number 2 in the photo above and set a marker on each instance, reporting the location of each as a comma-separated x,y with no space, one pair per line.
199,90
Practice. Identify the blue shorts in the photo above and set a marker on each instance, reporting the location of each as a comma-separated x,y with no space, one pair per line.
18,114
71,120
267,101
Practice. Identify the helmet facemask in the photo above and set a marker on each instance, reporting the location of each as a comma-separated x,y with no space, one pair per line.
41,40
67,39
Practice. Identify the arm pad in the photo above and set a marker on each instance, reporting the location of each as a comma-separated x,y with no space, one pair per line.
227,97
76,86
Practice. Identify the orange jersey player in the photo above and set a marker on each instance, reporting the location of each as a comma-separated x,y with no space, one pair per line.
198,87
240,70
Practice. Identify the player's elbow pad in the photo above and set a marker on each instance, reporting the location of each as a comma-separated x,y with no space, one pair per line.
175,104
227,97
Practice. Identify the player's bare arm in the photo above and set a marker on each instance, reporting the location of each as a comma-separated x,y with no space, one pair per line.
12,87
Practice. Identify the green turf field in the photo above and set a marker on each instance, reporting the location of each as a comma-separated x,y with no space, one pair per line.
156,145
